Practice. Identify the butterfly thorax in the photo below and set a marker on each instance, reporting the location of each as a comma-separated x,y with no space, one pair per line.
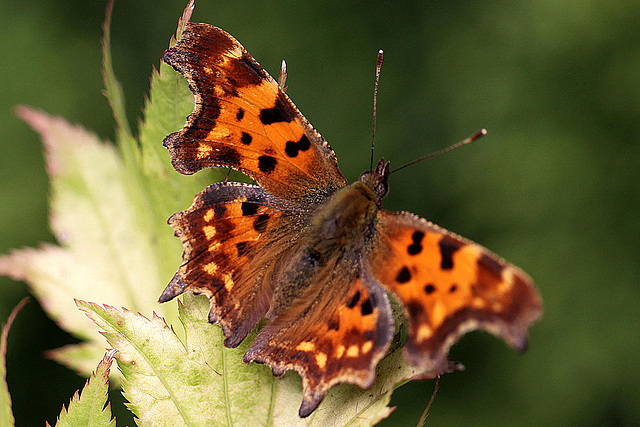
336,233
345,214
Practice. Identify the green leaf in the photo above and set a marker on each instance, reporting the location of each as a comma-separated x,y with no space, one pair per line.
170,383
6,416
167,191
90,408
107,241
200,382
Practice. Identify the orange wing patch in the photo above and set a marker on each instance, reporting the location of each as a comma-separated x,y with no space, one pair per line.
449,286
243,120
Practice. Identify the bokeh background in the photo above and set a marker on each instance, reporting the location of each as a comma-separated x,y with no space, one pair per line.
554,187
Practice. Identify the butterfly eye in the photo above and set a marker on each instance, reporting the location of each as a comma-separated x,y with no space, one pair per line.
366,177
382,189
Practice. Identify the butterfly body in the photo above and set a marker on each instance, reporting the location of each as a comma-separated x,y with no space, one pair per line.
315,256
334,236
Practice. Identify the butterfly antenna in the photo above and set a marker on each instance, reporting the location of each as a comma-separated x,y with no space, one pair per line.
469,140
375,103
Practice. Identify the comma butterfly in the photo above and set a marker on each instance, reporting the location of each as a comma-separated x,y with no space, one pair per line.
314,255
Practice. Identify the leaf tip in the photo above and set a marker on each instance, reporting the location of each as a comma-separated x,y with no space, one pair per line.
182,22
91,403
81,303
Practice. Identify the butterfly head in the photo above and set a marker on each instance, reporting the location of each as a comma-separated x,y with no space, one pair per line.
377,179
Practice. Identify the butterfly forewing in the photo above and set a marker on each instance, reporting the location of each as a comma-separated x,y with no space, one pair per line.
242,119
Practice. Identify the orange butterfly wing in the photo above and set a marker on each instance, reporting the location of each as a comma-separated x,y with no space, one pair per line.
243,120
231,234
448,286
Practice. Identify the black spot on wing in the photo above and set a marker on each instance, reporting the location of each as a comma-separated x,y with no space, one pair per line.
228,156
429,288
404,275
260,224
334,324
354,300
219,210
224,227
240,114
416,247
249,208
366,308
241,247
448,247
280,112
246,138
267,164
215,282
292,148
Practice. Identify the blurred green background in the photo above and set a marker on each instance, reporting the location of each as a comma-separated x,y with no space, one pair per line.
553,187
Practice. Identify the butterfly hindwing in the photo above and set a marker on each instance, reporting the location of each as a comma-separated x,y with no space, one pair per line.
448,286
243,120
332,334
231,234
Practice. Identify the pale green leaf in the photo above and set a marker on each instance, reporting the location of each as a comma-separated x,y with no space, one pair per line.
108,212
6,415
108,247
241,389
167,191
90,408
168,382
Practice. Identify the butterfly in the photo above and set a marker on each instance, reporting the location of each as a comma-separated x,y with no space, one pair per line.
314,255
